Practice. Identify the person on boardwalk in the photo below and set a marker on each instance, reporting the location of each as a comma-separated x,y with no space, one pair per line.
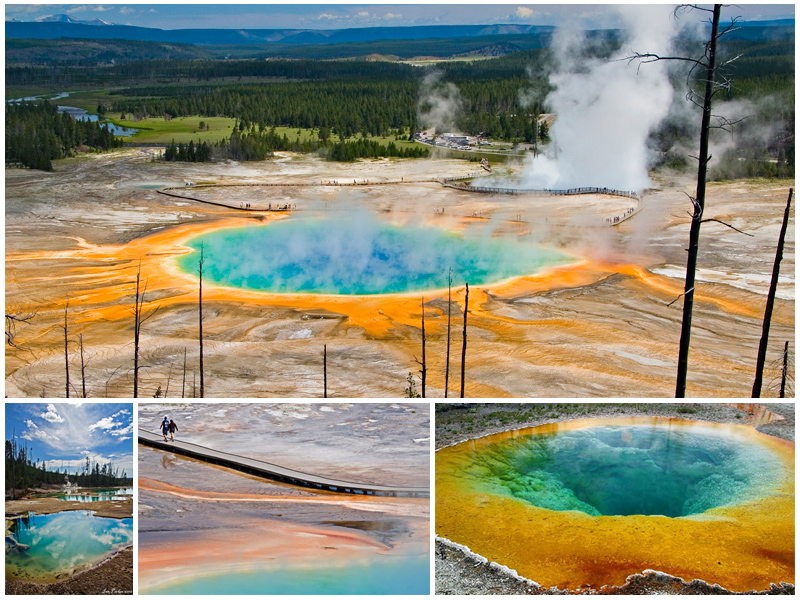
172,429
165,427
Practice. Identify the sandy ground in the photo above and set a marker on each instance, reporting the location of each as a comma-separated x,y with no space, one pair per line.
601,328
112,576
461,572
115,509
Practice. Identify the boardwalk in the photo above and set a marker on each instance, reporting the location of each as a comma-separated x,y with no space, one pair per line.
274,472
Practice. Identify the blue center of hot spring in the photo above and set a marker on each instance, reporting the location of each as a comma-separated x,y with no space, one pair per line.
635,470
359,255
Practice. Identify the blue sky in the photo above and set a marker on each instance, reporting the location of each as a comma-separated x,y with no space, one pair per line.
64,434
341,16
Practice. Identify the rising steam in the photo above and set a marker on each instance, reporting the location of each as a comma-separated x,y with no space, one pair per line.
606,108
439,103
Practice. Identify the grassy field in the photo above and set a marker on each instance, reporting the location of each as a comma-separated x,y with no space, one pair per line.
180,129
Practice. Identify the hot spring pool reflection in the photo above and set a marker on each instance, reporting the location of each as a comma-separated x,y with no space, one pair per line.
97,495
633,470
359,255
383,575
39,547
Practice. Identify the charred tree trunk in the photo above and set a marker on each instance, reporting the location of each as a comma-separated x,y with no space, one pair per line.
785,368
202,383
464,341
325,370
773,286
697,215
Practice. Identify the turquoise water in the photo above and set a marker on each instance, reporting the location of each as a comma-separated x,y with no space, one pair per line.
383,575
637,470
64,542
97,495
359,255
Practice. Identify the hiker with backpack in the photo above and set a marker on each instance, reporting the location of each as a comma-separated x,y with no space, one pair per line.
165,427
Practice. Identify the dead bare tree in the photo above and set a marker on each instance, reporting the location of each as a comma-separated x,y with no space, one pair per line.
66,349
449,306
464,341
785,369
423,367
137,325
708,62
325,370
183,387
773,287
200,270
169,376
83,368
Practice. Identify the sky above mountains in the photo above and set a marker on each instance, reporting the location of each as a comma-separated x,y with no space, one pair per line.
342,16
64,433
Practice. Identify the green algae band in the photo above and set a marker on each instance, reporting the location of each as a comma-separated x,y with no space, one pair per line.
638,470
359,255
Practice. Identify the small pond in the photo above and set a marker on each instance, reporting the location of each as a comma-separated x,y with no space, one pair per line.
83,115
42,547
96,495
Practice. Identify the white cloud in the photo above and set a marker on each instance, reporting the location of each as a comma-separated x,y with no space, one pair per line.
90,7
523,12
363,14
125,10
327,16
124,430
38,434
390,16
51,415
105,423
31,424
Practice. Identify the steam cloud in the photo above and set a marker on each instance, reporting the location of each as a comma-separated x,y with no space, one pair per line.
439,103
606,108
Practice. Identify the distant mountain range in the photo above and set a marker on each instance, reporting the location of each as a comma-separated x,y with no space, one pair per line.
64,26
60,26
67,19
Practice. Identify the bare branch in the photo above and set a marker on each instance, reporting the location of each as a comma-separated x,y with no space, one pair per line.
11,326
726,225
689,291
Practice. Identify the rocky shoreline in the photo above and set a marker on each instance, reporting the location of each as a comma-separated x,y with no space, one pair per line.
461,572
114,509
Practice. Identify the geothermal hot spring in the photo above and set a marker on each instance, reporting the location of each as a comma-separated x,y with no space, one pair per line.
593,501
209,530
42,548
359,255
